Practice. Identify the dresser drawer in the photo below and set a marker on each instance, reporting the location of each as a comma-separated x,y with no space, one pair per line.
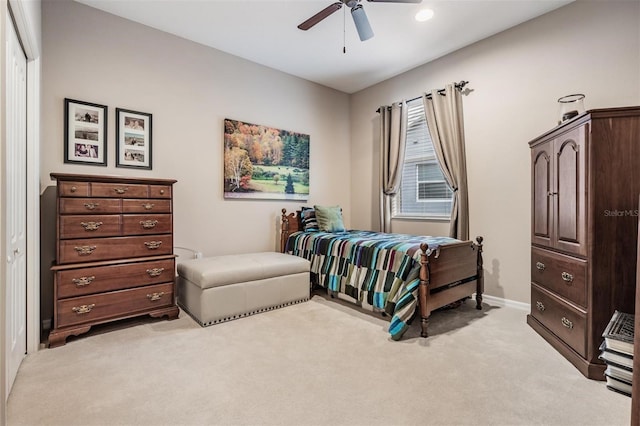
159,191
139,224
90,226
146,206
102,189
73,189
564,275
83,281
90,205
94,249
563,320
105,306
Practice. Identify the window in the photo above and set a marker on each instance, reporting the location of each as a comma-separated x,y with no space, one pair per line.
424,193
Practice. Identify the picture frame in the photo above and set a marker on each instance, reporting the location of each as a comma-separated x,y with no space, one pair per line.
133,139
264,162
85,133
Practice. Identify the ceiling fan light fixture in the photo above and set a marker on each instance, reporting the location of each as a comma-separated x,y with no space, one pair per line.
362,23
424,15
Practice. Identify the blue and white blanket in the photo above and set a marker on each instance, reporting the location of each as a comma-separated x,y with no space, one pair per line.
375,270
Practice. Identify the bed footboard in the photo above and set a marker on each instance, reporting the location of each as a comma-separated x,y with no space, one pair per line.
453,272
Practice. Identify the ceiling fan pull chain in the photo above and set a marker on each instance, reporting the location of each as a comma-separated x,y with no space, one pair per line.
344,30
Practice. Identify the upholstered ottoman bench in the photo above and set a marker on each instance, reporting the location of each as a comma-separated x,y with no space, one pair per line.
222,288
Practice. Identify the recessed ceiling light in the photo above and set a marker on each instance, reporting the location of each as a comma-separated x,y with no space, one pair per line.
424,15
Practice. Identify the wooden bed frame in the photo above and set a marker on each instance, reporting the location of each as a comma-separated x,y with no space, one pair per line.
452,273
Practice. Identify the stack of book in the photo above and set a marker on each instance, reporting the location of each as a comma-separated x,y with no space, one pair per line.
617,352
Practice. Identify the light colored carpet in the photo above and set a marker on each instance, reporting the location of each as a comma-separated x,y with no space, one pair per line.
315,363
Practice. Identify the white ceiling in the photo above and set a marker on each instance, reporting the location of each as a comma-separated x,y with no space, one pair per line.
266,32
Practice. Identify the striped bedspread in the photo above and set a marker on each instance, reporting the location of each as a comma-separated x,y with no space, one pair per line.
377,271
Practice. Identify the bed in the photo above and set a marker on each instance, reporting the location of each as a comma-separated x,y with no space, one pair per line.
396,274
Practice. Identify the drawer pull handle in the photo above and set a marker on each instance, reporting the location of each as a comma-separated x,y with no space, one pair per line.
540,266
84,250
162,192
155,296
152,245
91,206
155,272
540,306
91,226
74,189
567,277
83,309
83,281
148,206
148,224
567,323
120,190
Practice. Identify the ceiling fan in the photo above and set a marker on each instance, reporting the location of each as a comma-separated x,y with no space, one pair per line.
357,11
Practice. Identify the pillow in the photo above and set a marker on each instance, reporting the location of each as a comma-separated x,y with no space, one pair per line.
309,222
329,218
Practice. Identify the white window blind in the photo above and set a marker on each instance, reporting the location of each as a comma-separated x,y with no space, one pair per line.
424,193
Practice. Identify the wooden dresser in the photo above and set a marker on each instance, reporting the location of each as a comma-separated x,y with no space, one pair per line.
585,183
114,254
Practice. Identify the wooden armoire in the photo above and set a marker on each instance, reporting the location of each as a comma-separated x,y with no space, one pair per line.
585,180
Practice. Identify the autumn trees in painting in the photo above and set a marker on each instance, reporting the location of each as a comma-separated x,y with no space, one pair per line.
265,162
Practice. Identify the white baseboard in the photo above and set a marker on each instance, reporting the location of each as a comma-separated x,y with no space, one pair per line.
499,301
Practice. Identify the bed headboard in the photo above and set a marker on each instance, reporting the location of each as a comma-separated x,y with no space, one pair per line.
289,223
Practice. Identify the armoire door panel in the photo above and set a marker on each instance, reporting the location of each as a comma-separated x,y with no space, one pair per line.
570,192
542,195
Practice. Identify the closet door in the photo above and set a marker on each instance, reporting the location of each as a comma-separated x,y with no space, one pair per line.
15,189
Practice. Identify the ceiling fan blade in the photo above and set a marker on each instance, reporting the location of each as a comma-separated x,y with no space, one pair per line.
320,16
362,23
395,1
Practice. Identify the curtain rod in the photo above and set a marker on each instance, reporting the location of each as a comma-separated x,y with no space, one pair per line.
460,85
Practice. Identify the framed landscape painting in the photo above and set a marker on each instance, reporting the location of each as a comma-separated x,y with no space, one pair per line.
262,162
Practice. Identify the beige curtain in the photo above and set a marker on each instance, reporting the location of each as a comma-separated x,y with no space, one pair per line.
393,135
446,126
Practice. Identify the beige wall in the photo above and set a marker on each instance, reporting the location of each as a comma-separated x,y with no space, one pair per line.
93,56
589,47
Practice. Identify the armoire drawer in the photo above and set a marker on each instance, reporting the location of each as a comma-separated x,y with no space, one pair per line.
83,281
90,205
90,226
105,306
563,320
564,275
94,249
140,224
146,206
